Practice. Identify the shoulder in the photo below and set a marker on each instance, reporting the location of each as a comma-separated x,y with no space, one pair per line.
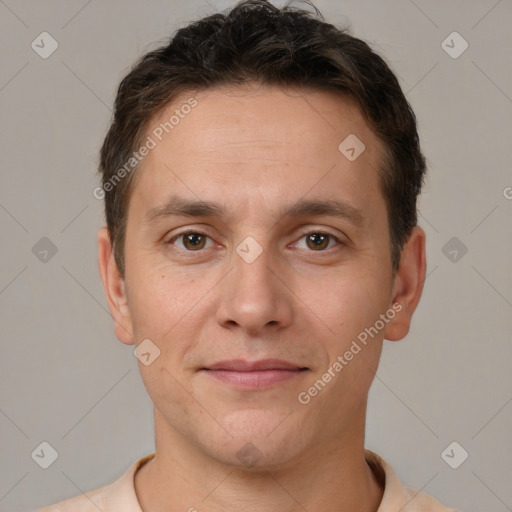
396,496
117,496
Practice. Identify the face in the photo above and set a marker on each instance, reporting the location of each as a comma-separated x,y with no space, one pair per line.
258,300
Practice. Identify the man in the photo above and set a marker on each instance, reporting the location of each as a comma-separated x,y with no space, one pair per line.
260,179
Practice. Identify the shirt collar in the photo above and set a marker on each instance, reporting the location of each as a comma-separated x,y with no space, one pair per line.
123,497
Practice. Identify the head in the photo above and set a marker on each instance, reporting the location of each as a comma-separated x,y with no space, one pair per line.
294,48
246,114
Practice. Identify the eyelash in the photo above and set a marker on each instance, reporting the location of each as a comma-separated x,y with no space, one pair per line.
303,234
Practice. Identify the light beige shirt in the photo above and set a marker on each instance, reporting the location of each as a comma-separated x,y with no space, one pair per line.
120,496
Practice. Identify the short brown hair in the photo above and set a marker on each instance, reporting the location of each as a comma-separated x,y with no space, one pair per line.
258,42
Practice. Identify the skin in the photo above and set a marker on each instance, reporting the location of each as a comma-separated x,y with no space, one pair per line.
255,150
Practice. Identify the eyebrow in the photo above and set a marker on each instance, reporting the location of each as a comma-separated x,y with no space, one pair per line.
184,207
196,208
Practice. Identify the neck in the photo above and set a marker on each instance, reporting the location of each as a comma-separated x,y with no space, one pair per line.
329,477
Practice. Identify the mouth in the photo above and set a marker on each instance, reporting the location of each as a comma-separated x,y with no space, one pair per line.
254,375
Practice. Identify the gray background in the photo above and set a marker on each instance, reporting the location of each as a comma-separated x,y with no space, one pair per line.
65,378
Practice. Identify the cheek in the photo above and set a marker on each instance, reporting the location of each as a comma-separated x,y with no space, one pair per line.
169,395
160,300
350,301
363,300
168,308
355,347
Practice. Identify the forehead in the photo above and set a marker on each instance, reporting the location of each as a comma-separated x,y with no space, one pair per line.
264,139
233,112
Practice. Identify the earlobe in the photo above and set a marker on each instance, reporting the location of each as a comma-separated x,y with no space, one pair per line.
115,289
408,285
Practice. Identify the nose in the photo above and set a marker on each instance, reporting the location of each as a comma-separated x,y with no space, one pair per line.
255,296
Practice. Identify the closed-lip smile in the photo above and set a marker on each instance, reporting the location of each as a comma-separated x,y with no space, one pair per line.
254,375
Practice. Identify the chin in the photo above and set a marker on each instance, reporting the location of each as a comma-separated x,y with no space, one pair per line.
258,440
257,455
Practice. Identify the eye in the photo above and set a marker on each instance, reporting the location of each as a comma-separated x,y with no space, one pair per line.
194,241
191,240
318,241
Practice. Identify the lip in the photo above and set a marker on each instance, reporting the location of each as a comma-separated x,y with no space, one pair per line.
254,375
240,365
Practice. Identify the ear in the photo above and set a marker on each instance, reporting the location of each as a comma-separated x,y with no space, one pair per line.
408,285
115,289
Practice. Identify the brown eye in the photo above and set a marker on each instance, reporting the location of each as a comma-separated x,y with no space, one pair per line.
194,241
190,241
317,241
